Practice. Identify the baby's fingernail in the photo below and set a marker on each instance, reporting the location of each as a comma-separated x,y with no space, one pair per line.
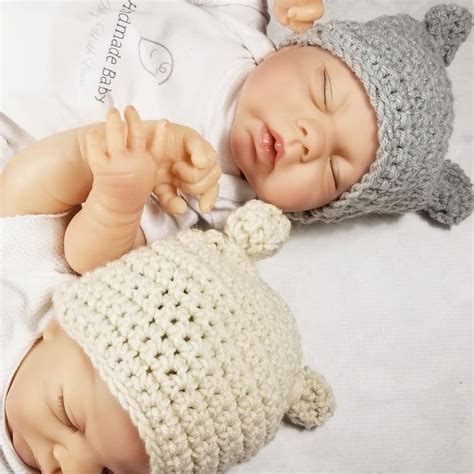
291,13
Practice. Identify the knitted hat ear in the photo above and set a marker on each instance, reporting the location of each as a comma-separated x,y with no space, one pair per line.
315,403
449,25
451,201
260,229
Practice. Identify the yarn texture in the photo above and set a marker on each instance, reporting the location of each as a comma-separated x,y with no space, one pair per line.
316,402
201,353
259,230
402,64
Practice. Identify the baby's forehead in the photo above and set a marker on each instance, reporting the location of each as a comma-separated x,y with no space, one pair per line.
314,56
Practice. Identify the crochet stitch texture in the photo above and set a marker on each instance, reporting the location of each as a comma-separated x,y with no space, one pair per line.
402,64
203,355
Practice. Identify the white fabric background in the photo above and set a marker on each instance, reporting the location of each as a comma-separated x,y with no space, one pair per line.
384,305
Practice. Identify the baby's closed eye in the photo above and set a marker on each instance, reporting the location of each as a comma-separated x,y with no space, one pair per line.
63,416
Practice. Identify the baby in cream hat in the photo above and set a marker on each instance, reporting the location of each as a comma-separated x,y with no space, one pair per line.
175,358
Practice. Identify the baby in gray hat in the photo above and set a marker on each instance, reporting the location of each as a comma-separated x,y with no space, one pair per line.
343,119
401,63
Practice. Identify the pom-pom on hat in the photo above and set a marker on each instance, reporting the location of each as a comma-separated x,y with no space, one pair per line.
402,64
200,352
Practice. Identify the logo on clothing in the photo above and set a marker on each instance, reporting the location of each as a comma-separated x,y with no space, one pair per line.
156,59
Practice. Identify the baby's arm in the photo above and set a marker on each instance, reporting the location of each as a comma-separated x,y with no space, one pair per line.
123,169
48,177
54,175
126,169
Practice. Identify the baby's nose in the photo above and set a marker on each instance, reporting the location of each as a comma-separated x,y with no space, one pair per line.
49,466
71,463
313,138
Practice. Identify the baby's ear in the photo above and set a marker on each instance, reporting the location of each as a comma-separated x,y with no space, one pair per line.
451,201
449,25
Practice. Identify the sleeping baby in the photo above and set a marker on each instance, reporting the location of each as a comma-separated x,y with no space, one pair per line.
175,358
343,119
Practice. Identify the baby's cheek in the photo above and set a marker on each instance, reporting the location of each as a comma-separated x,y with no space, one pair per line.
21,422
293,192
241,149
279,192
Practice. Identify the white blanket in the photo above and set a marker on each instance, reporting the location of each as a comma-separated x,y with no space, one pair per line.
384,305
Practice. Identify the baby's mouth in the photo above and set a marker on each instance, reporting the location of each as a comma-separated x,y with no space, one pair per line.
271,144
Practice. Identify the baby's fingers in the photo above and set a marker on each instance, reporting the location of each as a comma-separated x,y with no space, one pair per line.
189,173
95,145
306,13
208,199
160,139
196,189
201,153
299,27
135,132
169,200
114,132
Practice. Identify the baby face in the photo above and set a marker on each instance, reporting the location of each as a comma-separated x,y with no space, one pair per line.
63,418
304,130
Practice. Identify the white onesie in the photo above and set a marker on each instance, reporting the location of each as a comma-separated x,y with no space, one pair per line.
32,267
182,60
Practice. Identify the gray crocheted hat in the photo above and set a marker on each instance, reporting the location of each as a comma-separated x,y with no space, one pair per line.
199,351
402,64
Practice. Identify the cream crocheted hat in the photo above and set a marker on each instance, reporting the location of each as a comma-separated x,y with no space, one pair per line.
202,354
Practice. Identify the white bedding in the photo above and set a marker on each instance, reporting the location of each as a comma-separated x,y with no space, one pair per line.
384,305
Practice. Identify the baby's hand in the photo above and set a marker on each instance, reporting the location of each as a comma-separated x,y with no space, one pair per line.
188,163
298,15
122,167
